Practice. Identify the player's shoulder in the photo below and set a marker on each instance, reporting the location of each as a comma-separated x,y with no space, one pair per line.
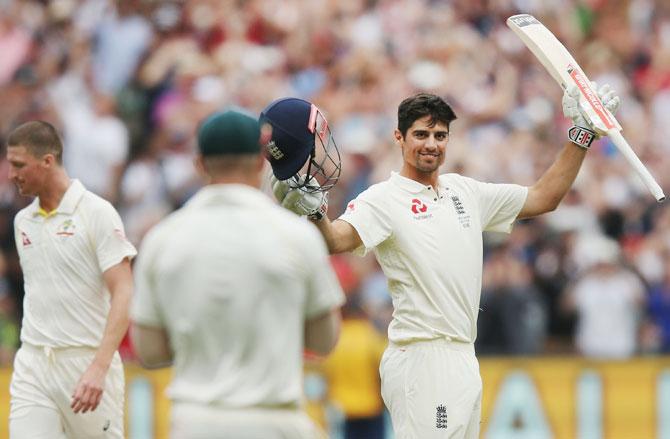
289,223
95,203
460,182
24,213
174,220
458,179
165,229
376,191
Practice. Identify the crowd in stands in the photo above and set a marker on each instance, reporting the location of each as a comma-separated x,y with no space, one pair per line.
126,82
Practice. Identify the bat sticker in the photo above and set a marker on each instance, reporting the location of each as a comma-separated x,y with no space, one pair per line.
524,20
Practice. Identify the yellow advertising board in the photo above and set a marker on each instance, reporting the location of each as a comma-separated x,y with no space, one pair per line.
529,398
570,398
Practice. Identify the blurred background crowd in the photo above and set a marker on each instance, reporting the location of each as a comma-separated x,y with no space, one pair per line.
126,82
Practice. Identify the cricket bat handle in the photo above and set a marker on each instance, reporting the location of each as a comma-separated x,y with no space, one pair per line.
630,156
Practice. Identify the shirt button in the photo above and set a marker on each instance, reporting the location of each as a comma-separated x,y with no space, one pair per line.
434,199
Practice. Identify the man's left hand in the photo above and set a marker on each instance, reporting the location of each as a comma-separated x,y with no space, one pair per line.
88,393
571,108
583,132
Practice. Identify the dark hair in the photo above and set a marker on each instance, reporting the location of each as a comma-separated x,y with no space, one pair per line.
422,105
39,138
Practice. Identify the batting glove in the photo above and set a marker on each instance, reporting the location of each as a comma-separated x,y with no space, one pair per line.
582,133
312,204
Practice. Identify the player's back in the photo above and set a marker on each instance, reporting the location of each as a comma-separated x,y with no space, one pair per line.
233,279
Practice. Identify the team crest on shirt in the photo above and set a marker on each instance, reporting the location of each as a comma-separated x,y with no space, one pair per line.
66,228
463,216
441,416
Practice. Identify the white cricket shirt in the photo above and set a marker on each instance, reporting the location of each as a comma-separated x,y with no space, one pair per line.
232,277
429,245
63,255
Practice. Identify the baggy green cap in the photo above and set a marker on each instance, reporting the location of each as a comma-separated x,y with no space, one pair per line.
229,132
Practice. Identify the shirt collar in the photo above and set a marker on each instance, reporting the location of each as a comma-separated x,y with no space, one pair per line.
67,204
228,194
408,184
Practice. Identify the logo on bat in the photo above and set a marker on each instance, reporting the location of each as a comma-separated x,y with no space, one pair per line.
590,95
524,20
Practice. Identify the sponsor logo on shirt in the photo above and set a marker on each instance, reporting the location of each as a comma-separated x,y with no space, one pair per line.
66,228
25,241
419,209
418,206
441,416
351,206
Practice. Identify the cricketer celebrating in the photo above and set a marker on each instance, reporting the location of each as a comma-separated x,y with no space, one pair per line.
232,289
425,230
68,376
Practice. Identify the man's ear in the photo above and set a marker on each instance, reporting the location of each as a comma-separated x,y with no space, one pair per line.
398,136
260,162
199,165
49,160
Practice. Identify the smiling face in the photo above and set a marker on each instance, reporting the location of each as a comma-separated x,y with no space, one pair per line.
423,148
27,171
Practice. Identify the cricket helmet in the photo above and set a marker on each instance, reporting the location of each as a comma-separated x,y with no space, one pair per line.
301,144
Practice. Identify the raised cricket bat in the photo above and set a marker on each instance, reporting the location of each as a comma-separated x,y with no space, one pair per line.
565,70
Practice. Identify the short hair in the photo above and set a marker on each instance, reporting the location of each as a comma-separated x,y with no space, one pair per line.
422,105
39,138
225,164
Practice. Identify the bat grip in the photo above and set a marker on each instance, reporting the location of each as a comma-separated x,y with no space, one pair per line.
632,159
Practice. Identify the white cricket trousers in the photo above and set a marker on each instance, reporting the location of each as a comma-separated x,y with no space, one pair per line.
432,389
196,421
41,391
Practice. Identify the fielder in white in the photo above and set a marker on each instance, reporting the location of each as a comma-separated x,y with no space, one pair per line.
68,377
426,231
232,289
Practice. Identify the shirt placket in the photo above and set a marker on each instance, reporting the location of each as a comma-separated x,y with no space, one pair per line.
46,237
438,196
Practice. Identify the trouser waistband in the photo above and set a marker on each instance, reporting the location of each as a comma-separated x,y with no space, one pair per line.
442,341
293,406
51,352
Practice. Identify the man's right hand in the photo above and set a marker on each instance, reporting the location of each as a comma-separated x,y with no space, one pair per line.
314,205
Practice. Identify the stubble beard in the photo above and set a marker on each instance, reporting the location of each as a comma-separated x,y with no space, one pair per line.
425,166
20,189
24,191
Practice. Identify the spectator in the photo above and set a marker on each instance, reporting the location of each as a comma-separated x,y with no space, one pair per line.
121,40
608,300
513,317
658,309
